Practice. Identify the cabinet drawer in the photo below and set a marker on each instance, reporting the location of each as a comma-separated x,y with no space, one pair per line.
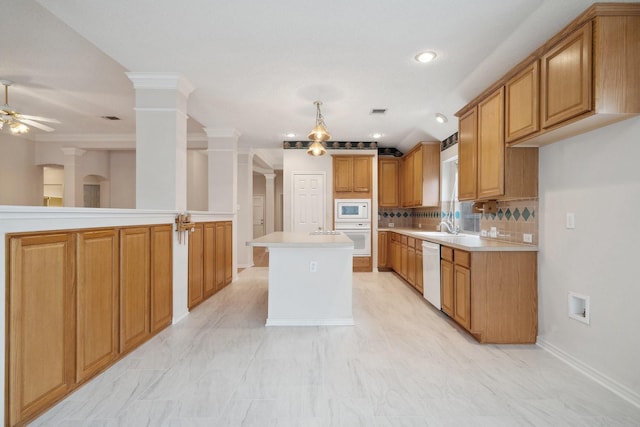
403,239
462,258
446,253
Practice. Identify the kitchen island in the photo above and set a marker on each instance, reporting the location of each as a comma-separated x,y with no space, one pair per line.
310,278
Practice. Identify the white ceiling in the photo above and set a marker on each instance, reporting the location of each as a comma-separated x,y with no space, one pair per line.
257,66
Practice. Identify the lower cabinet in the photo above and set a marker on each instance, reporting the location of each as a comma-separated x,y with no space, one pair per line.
76,302
210,260
383,250
404,256
493,295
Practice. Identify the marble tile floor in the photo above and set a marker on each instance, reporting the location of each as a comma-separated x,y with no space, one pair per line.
403,364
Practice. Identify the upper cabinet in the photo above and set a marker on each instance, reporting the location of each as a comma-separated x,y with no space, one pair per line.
583,78
421,175
566,78
487,169
352,177
389,182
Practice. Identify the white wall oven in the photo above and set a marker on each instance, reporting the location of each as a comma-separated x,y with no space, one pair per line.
352,217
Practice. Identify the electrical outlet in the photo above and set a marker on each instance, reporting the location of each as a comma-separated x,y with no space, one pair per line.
483,233
527,238
313,267
571,220
493,232
391,225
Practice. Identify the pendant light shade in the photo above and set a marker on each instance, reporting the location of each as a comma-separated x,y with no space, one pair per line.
318,135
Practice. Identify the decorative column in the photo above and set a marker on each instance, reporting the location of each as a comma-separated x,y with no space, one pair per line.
161,160
161,140
269,215
223,178
72,195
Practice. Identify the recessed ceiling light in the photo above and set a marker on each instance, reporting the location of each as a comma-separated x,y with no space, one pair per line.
425,57
441,118
290,135
376,135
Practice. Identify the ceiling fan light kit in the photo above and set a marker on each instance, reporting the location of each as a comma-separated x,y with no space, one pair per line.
19,123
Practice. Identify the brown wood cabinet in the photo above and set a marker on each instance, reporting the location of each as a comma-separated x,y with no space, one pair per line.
352,177
395,252
210,260
522,109
467,161
161,277
493,295
77,301
383,249
566,78
388,182
41,324
587,79
98,306
405,257
487,169
419,283
421,175
411,261
196,266
134,287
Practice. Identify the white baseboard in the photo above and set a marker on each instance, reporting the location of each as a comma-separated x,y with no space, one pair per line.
310,322
620,389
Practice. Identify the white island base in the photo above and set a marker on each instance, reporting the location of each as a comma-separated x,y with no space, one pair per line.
310,279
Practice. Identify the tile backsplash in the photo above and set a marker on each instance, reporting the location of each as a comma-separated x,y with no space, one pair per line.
513,219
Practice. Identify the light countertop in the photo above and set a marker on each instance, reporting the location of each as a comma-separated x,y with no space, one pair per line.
288,239
467,242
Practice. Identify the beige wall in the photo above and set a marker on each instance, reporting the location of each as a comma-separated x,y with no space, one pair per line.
20,180
596,177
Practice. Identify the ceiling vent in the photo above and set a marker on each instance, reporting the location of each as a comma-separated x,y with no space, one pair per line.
110,117
378,111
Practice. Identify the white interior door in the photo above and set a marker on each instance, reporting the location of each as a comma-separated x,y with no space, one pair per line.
308,202
258,216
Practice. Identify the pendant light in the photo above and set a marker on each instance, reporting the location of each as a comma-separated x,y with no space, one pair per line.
318,135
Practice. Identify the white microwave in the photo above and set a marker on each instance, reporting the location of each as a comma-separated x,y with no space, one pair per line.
352,210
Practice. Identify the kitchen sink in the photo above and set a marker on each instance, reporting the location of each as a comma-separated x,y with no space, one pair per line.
439,234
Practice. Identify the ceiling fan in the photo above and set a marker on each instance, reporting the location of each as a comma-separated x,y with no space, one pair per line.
19,123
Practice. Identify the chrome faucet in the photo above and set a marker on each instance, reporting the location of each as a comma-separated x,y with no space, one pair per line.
450,227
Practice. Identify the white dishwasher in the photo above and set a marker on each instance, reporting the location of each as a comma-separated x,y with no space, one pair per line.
431,273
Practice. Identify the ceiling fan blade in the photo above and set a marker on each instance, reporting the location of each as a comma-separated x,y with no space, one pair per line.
38,118
35,124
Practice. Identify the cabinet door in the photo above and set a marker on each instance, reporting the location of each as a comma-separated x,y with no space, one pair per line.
467,147
134,287
411,265
342,174
490,152
388,183
404,260
97,301
220,249
462,296
446,290
522,110
362,174
382,249
228,252
161,276
566,78
416,178
209,259
407,180
419,268
196,263
41,327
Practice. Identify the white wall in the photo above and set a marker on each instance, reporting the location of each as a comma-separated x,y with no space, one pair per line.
21,182
123,179
244,224
596,176
197,181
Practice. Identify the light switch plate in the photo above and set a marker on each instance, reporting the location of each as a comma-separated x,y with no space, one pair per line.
571,220
527,238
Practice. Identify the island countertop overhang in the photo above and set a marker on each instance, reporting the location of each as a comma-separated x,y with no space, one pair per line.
289,239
